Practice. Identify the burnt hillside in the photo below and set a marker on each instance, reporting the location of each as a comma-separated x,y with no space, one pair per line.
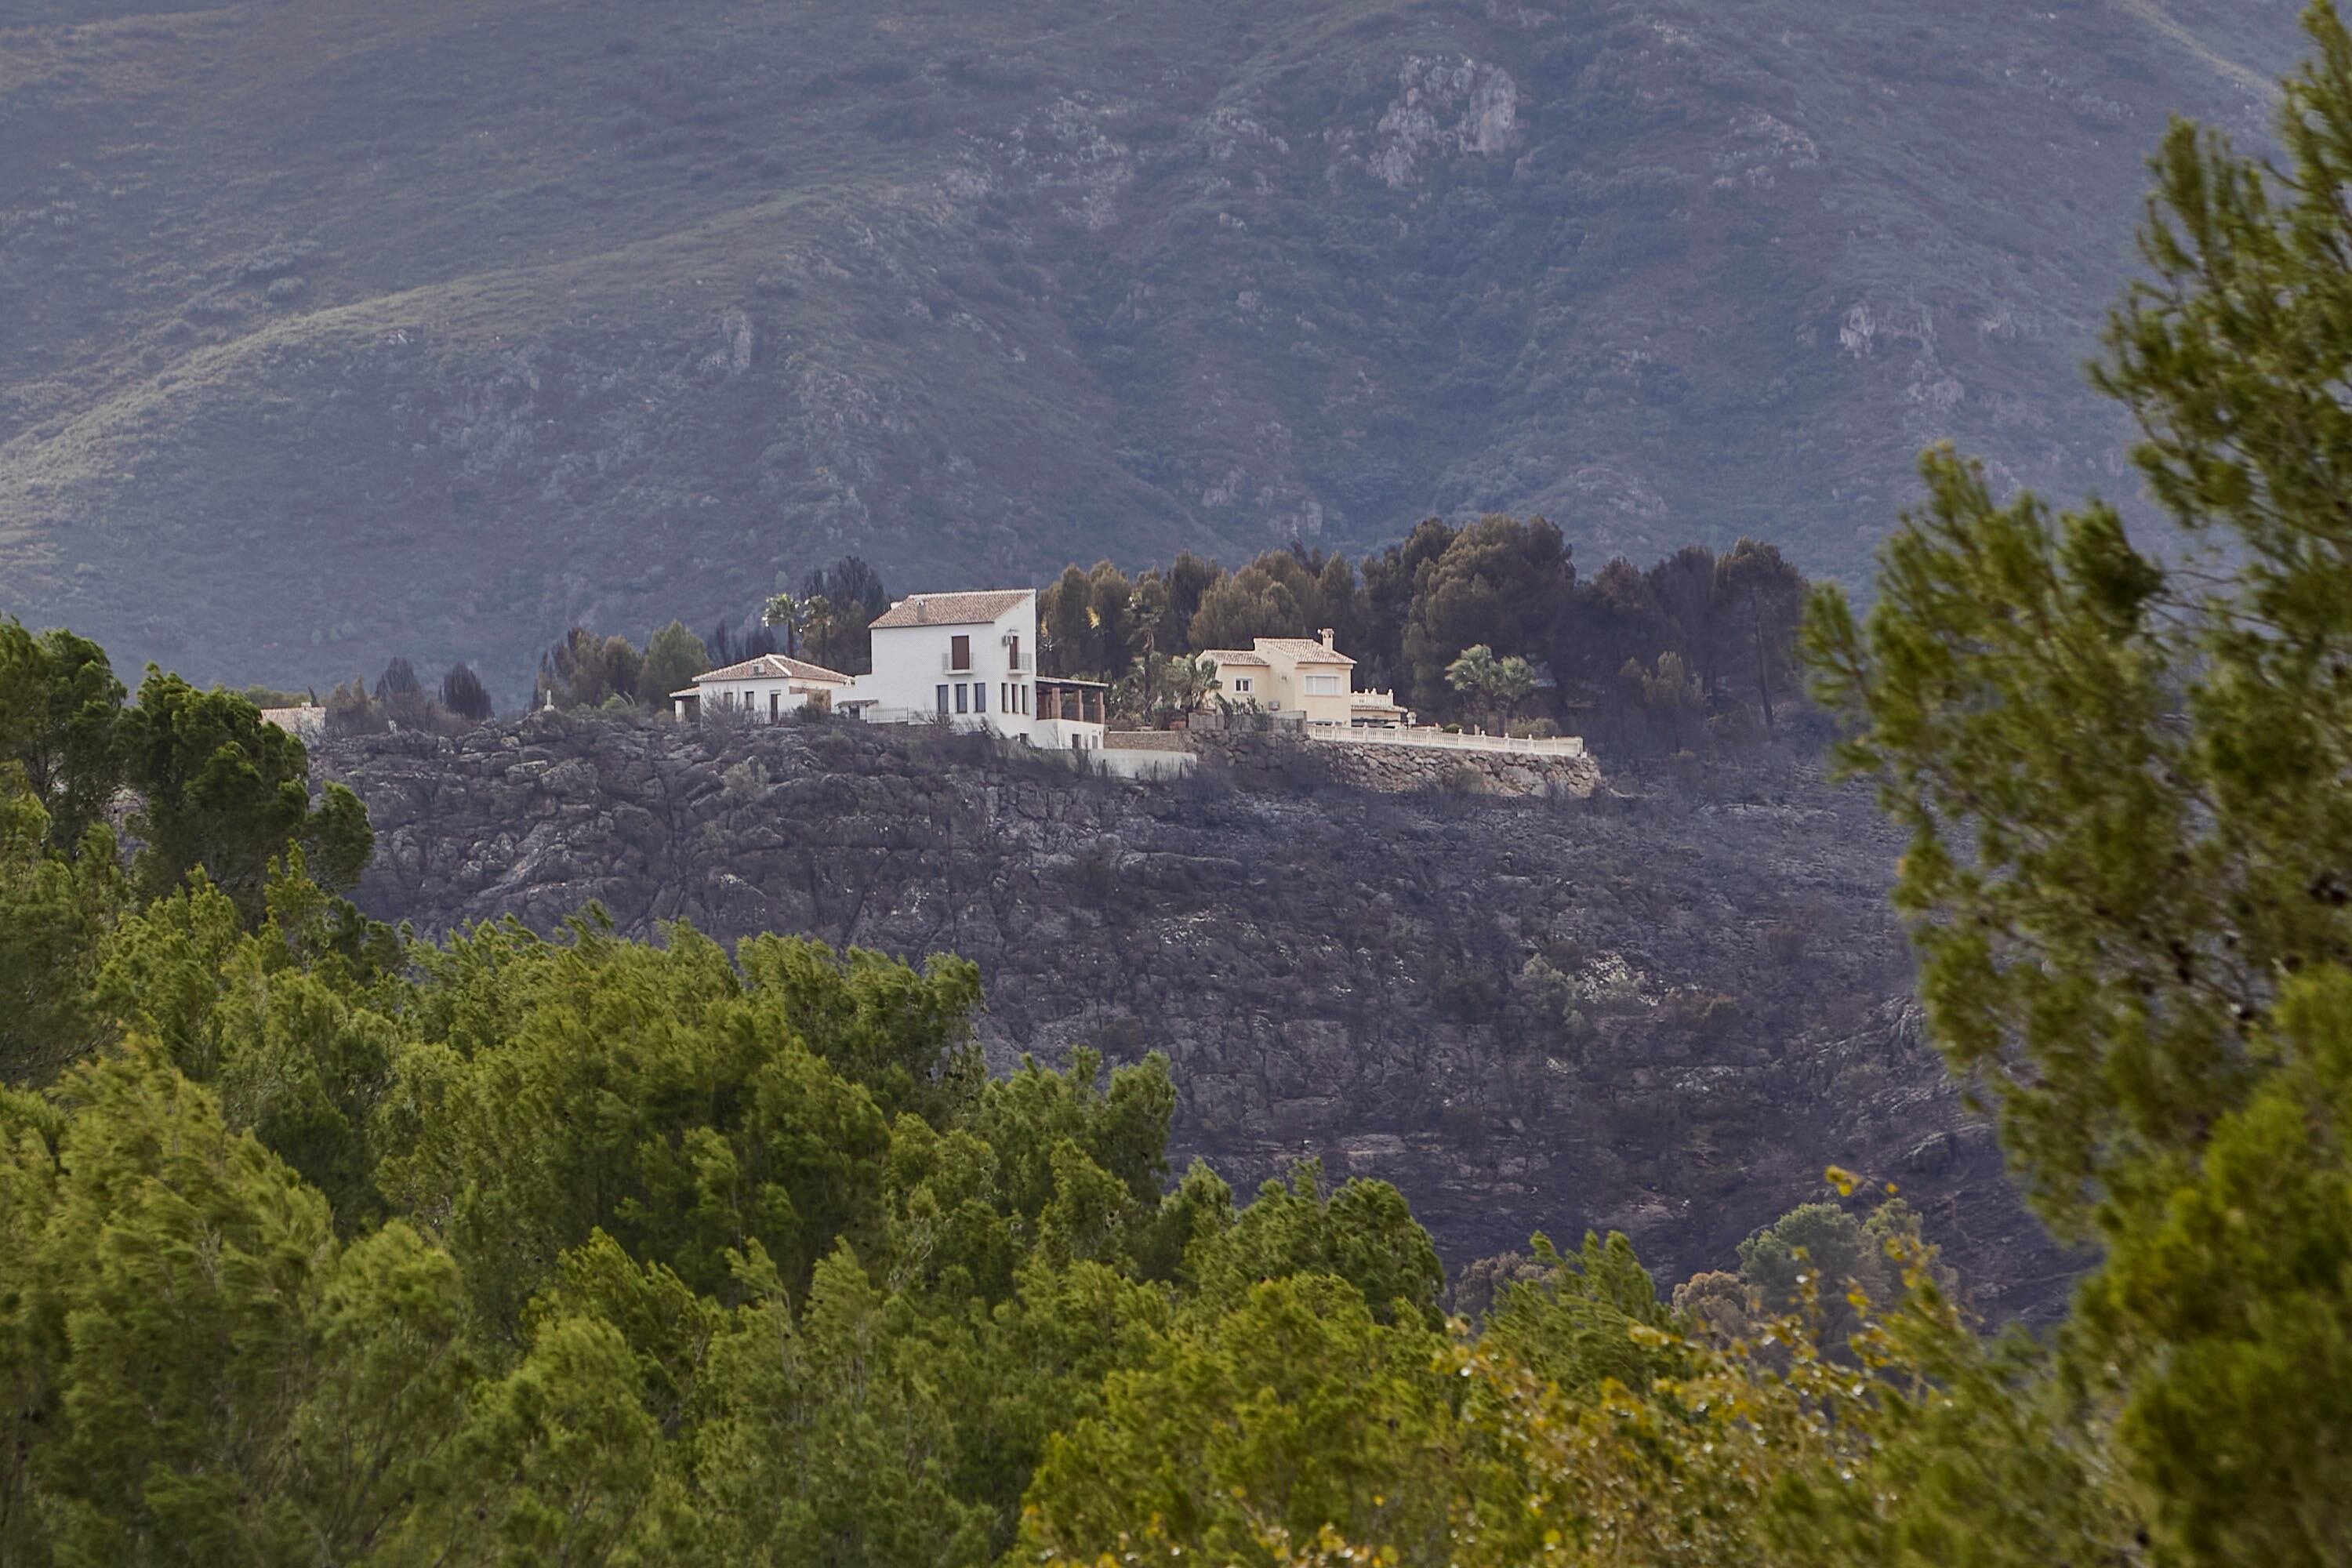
1663,1016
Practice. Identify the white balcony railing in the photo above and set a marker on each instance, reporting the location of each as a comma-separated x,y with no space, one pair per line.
1448,740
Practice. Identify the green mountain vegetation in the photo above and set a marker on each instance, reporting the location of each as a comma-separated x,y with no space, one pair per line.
340,330
513,1250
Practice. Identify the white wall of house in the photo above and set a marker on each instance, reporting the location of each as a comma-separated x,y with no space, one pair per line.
977,674
767,701
767,689
1067,735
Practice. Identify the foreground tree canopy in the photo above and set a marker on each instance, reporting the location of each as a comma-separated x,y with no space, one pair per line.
322,1244
334,1247
2124,774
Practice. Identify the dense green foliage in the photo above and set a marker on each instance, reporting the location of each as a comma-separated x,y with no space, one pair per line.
327,1245
60,705
215,785
2124,774
324,1244
1486,623
223,789
520,1249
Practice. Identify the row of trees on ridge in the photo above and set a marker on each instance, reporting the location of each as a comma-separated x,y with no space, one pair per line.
1696,647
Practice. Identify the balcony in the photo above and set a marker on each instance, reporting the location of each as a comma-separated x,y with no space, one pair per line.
1073,701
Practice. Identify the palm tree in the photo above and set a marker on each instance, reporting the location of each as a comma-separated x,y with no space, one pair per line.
1494,686
822,625
1194,680
1473,674
1472,671
790,613
1512,683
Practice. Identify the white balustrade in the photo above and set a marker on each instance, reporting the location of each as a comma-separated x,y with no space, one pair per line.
1450,740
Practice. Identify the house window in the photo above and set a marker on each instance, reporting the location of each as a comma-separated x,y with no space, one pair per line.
1241,685
963,695
776,704
943,702
959,653
1322,686
1004,698
980,697
1013,643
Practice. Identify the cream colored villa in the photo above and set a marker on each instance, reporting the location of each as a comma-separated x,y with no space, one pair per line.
1301,675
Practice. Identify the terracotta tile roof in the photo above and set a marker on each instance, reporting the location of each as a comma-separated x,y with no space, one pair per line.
951,609
771,667
1306,650
1222,656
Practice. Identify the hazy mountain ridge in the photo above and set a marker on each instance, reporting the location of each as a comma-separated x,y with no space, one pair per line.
344,332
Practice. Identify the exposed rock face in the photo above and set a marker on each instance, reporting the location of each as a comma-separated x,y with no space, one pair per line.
1541,1013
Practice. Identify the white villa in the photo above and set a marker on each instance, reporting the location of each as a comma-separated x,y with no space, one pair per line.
965,660
767,688
1306,676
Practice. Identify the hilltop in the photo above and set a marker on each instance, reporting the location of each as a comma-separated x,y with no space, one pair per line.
338,330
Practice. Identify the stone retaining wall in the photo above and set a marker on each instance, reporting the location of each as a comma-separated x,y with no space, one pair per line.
1147,740
1397,770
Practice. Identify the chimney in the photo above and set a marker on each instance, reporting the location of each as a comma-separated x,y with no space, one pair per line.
1327,634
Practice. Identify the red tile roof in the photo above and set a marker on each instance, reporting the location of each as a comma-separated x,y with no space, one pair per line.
1306,650
774,667
951,609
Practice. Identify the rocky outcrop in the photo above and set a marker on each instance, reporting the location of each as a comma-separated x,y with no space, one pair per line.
1534,1013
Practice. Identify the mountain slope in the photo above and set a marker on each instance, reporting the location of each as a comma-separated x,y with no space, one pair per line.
340,330
1659,1016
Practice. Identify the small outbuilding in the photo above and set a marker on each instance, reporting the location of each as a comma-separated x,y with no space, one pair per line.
765,689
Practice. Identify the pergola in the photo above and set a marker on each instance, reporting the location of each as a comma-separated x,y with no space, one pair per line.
1081,702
